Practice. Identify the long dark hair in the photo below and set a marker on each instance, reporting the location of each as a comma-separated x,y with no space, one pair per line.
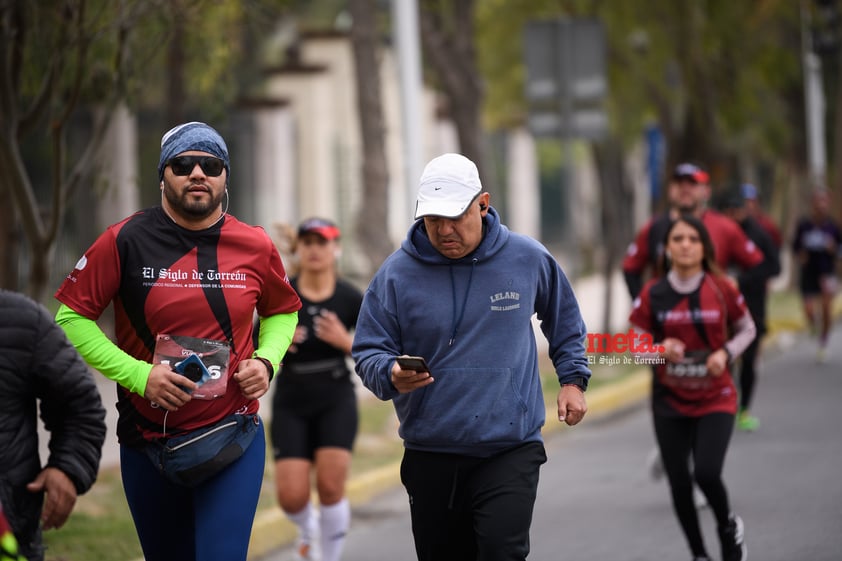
708,254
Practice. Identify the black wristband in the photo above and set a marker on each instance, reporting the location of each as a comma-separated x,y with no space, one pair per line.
269,366
579,381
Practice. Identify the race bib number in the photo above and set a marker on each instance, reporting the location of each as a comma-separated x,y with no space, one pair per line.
690,373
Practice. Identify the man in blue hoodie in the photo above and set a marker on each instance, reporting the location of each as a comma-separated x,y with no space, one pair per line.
460,292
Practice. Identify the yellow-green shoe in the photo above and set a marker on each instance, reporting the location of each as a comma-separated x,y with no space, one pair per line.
821,355
746,422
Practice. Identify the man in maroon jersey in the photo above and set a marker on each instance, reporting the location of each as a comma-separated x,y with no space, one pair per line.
689,192
189,276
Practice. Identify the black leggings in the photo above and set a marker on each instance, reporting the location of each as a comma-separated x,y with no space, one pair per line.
705,439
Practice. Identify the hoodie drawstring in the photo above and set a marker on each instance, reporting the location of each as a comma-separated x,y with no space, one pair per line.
457,321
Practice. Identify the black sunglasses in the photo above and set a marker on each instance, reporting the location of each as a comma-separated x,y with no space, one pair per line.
183,165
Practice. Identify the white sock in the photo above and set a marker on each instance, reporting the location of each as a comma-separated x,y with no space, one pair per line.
335,520
306,522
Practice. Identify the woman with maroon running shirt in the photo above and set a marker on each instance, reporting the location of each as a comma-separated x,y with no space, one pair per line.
700,324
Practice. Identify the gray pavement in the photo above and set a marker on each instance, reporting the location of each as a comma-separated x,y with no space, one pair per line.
597,503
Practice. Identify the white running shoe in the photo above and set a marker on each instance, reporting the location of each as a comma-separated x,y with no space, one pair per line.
305,551
732,539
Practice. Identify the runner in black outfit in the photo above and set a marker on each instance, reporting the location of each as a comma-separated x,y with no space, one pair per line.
753,285
314,409
816,244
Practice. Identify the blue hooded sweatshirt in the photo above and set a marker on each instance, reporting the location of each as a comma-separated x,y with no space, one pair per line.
470,318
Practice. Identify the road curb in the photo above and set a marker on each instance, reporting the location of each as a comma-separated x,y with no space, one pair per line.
272,530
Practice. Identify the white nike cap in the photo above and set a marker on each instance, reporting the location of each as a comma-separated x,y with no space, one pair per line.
448,185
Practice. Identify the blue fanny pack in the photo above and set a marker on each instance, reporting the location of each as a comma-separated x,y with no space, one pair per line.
192,458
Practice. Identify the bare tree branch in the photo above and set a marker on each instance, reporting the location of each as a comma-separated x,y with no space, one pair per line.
448,40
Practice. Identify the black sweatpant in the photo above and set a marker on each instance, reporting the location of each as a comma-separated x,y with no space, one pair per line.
706,439
472,509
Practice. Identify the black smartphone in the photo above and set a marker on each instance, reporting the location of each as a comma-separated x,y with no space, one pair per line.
416,363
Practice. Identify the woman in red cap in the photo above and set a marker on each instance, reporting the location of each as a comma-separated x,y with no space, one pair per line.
314,408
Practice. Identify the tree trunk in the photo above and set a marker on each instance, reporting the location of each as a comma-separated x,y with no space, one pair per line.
175,69
447,33
22,216
836,162
373,215
616,197
39,270
9,244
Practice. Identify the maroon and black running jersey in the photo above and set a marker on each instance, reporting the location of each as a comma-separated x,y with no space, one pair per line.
163,278
702,320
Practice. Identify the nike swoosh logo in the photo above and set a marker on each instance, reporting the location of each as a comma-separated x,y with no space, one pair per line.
436,188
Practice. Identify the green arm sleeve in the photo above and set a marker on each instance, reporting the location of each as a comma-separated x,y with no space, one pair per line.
275,336
101,353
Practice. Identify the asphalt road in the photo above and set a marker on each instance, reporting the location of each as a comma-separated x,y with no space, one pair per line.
597,502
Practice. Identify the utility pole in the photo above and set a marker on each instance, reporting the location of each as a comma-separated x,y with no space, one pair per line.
407,39
814,102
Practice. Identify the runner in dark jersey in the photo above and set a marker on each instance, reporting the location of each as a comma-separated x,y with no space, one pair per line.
816,244
754,286
751,195
314,408
184,271
690,314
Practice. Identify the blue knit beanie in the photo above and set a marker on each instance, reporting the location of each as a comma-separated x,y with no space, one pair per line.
192,136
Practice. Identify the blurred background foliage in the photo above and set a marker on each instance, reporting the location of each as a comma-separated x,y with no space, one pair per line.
721,80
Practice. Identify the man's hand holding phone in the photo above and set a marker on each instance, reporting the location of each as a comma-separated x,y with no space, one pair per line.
168,388
410,373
